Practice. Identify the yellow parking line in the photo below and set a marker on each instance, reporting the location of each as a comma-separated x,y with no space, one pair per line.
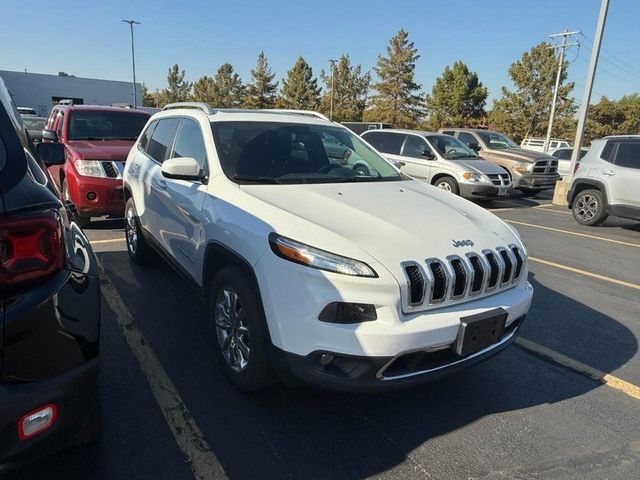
585,273
111,240
569,232
605,378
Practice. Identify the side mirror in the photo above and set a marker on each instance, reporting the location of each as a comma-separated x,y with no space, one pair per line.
182,168
474,146
428,154
50,135
51,153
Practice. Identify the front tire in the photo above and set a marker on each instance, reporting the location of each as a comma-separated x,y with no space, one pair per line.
139,250
240,330
588,208
82,221
448,184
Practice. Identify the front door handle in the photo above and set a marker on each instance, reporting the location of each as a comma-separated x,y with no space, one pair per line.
608,173
161,183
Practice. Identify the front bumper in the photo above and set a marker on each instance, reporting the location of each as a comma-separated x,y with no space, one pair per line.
368,374
479,190
538,182
107,194
75,394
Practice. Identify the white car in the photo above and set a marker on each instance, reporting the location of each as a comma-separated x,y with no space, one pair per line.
537,144
563,155
313,271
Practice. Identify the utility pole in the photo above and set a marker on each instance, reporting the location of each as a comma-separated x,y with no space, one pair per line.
562,47
333,74
586,97
133,61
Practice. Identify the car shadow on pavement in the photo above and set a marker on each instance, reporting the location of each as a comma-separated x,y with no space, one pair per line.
444,428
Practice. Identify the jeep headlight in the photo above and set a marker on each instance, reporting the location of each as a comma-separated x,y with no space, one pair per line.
473,177
314,257
89,168
522,167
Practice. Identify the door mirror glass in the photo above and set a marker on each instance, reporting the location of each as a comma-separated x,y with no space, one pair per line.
51,153
50,135
183,168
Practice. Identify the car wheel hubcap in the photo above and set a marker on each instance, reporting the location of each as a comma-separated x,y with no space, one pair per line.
444,186
132,234
586,207
231,329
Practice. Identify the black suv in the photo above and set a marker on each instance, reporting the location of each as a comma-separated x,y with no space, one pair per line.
49,305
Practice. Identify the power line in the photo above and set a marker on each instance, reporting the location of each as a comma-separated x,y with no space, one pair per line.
615,75
611,55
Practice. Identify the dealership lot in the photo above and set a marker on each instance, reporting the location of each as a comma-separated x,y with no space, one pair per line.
533,411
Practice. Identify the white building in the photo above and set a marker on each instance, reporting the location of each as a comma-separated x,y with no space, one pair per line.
41,92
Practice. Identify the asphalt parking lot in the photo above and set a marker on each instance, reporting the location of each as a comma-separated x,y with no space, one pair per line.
561,403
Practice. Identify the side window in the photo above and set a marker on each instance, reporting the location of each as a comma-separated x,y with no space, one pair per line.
189,143
414,147
161,138
467,138
386,142
449,132
144,139
606,151
628,155
564,154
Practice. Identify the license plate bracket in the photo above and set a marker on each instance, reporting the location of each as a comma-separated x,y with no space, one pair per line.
503,191
479,331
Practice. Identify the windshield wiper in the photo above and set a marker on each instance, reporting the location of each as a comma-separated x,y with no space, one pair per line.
244,178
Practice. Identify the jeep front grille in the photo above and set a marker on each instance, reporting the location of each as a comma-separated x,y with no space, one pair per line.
458,278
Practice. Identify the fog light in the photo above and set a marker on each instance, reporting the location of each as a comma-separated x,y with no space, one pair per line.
91,195
37,421
342,312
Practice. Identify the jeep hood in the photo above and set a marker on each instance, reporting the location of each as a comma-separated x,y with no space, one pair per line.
390,221
101,150
520,155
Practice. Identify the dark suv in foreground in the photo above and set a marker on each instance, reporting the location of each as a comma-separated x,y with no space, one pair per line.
49,305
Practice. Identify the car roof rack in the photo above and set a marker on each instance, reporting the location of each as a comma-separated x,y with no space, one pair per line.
205,107
308,113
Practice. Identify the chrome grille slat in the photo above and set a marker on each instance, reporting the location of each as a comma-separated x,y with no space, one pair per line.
435,281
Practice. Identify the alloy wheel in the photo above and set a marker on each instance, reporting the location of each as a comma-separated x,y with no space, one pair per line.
232,329
586,207
444,186
132,232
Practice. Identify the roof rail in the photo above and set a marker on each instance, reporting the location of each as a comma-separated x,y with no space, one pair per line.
205,107
308,113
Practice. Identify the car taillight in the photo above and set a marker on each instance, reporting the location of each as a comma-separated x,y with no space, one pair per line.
30,248
575,169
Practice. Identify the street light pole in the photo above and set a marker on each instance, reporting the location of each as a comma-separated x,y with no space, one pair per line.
133,61
333,72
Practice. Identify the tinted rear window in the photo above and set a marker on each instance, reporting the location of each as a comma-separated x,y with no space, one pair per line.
385,142
628,155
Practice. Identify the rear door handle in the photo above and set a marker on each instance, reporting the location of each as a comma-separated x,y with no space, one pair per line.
608,173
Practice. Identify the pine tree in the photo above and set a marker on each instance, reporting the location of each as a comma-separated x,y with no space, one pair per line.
525,111
178,88
147,99
203,90
261,92
458,99
397,100
227,90
350,90
299,90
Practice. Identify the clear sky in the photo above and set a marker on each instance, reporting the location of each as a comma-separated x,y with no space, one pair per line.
87,39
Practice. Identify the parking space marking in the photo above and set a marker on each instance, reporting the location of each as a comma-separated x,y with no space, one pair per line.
585,273
110,240
556,357
203,462
569,232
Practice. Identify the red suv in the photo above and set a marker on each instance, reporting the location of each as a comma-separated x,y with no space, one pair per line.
97,141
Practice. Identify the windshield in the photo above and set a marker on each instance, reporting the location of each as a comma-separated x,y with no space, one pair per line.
106,125
449,147
33,123
272,152
496,140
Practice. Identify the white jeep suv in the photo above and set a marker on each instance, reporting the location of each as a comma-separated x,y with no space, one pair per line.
311,269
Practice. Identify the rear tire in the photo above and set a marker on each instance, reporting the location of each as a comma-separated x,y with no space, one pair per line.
139,250
239,328
448,184
588,208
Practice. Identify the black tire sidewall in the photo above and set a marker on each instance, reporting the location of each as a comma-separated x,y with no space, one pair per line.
141,255
257,374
